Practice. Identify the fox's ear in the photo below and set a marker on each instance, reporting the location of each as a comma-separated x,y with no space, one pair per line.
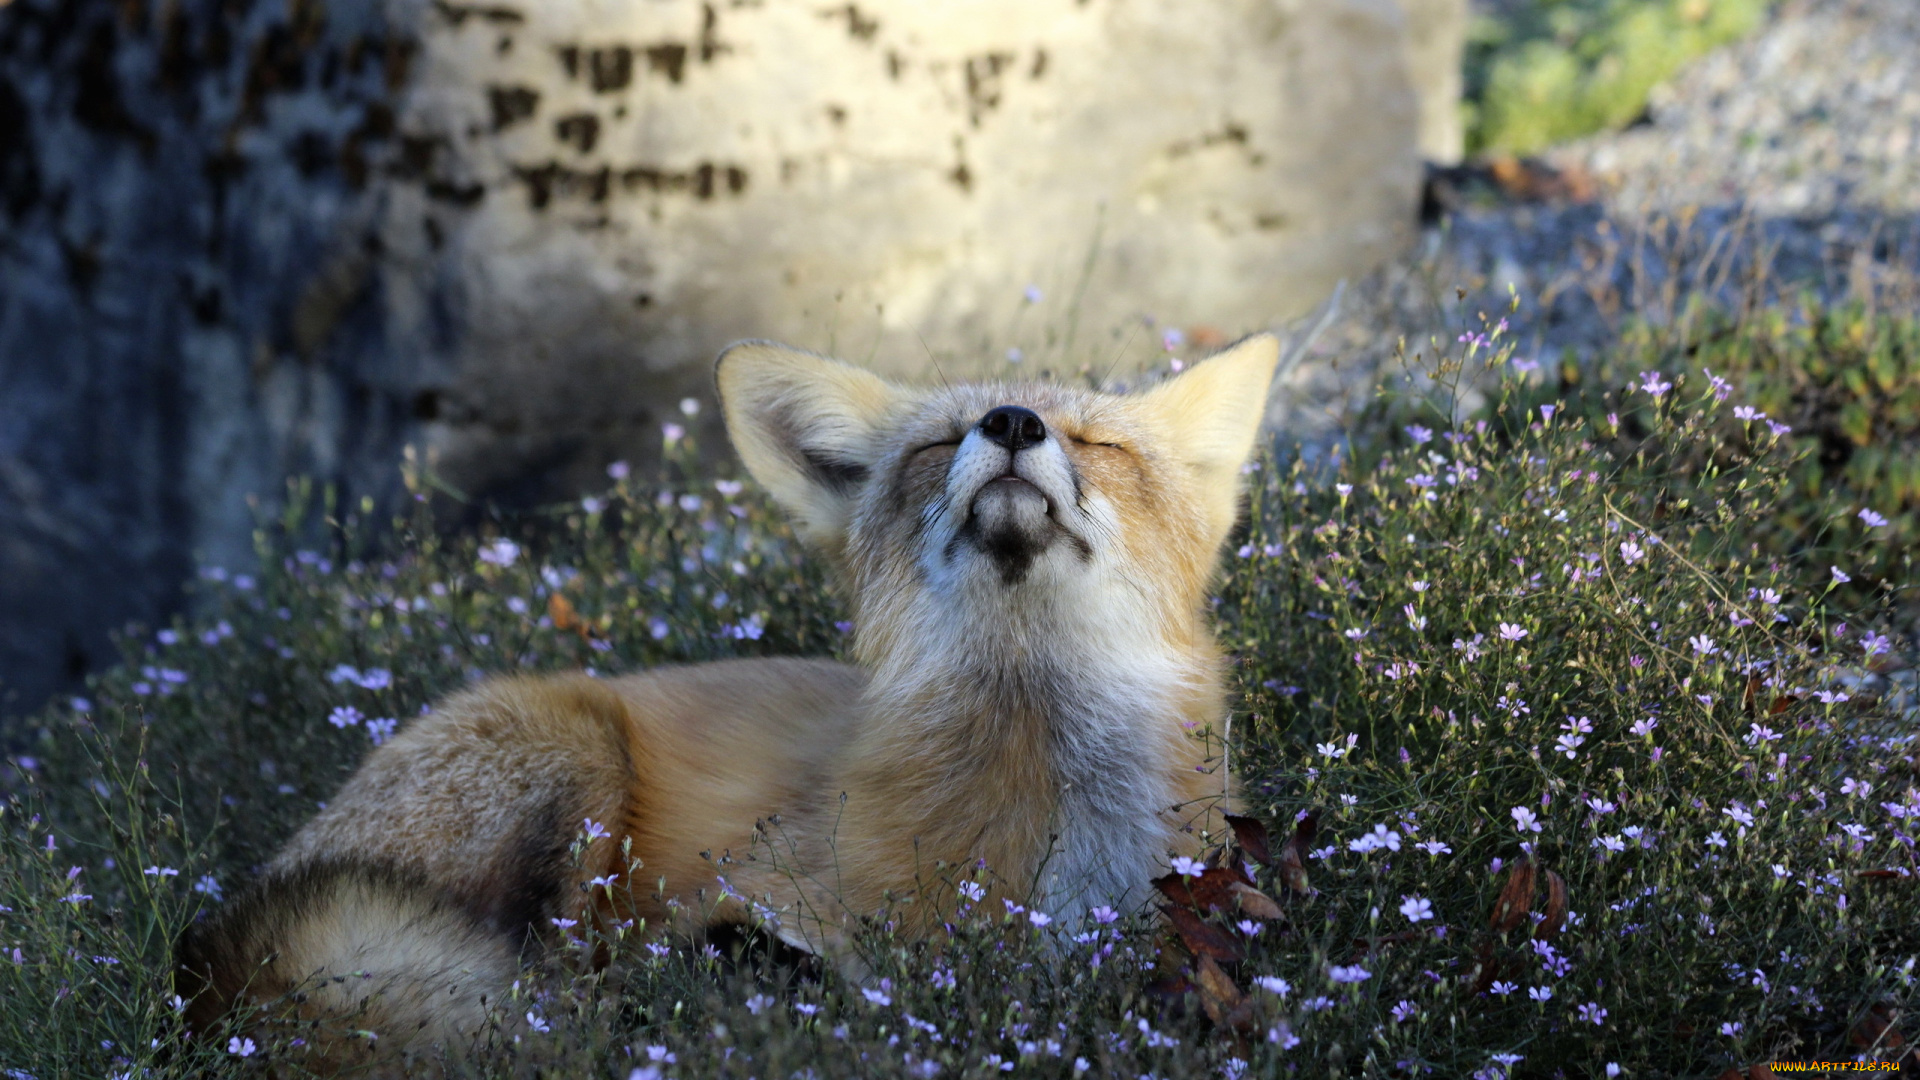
1213,413
808,428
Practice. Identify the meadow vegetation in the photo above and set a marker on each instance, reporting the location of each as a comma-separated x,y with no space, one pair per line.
1541,72
1569,723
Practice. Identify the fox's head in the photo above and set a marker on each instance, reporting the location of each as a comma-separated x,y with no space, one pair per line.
1002,501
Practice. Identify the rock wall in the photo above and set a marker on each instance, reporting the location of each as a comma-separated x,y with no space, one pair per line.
246,239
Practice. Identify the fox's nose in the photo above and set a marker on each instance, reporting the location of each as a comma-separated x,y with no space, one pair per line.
1014,427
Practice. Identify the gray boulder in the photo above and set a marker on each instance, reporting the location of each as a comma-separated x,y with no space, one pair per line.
248,239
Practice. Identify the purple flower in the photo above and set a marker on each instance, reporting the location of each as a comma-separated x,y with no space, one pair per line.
1748,413
344,716
1703,645
1511,632
672,433
1420,435
1032,294
381,730
1873,520
1416,908
1348,975
1778,429
1874,644
1651,382
618,470
1840,577
1593,1013
1721,387
1523,820
500,553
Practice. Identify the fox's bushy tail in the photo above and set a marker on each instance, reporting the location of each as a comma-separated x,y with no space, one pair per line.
375,966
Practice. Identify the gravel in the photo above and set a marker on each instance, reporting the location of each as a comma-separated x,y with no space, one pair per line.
1786,162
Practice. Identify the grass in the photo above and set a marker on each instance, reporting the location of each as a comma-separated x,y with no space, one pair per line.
1540,72
1573,644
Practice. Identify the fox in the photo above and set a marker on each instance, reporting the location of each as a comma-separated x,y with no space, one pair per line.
1036,689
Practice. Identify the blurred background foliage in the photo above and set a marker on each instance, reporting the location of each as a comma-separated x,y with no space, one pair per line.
1539,72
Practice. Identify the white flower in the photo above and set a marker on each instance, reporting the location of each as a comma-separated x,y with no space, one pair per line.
1416,908
1523,820
500,553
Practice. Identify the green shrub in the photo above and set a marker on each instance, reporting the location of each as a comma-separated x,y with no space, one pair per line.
1545,71
1839,385
1506,637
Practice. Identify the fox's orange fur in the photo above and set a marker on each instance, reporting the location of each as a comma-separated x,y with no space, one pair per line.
1028,568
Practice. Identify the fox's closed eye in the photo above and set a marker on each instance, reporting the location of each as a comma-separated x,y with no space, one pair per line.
936,445
1095,442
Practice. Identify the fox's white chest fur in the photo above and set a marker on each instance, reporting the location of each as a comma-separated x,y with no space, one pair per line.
1115,817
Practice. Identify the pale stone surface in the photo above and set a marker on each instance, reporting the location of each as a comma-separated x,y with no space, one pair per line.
247,239
664,177
1436,40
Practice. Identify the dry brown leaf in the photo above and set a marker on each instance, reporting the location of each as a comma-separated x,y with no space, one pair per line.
1485,970
1206,337
1880,874
1218,995
1556,913
1516,899
566,619
1782,704
1254,902
1293,854
1251,835
1752,692
1211,890
1875,1028
1201,937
